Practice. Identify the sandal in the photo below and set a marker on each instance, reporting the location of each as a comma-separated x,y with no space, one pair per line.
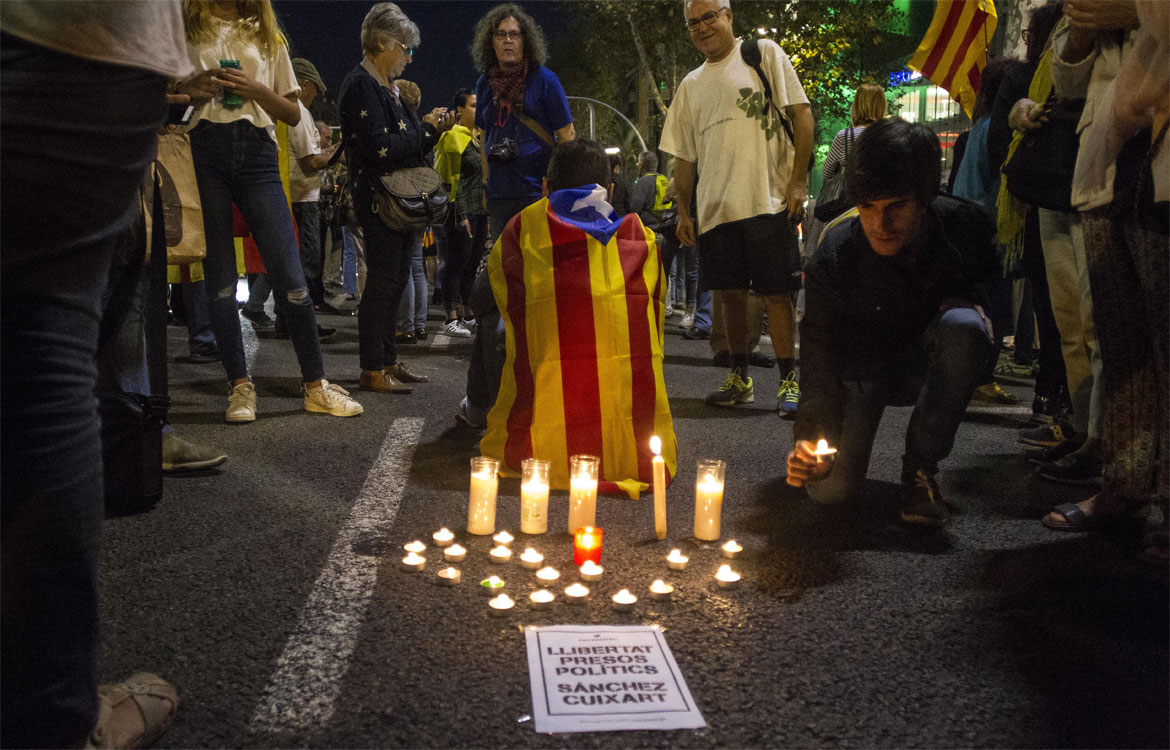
133,713
1077,521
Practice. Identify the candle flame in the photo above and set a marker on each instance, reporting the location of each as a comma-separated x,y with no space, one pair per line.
495,580
656,445
822,445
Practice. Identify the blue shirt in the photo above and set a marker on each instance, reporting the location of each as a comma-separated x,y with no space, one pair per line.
544,102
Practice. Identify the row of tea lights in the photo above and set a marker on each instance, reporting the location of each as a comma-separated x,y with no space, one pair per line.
590,570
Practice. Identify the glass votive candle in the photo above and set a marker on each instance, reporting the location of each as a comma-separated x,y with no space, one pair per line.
731,549
500,554
443,537
541,599
455,553
677,560
624,601
709,499
661,591
531,559
492,586
449,576
583,473
576,594
534,496
481,505
591,571
587,545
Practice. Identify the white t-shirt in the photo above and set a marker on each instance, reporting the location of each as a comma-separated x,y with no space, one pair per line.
303,141
229,44
717,121
140,33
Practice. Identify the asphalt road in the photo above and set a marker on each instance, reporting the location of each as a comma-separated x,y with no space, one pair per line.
272,594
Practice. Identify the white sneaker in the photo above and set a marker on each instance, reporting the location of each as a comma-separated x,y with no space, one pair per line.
669,310
688,320
241,404
328,398
455,328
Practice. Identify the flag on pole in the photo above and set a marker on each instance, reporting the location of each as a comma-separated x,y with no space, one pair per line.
953,53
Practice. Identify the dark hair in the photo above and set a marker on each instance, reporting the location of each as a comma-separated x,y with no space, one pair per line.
576,163
484,55
615,160
894,158
989,82
461,97
1041,22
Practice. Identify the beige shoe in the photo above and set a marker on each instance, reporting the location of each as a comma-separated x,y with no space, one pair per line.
401,374
382,381
241,404
328,398
133,713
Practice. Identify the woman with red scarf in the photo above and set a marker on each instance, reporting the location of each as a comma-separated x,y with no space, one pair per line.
522,110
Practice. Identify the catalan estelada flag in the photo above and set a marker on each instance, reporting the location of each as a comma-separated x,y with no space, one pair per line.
581,296
953,53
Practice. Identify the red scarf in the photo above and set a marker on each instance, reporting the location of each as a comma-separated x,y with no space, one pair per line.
508,86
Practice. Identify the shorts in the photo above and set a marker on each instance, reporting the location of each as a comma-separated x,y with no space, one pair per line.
760,253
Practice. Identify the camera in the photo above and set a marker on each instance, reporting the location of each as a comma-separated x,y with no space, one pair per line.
502,152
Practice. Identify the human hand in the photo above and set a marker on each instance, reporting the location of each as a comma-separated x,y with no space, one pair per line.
466,224
201,87
440,119
685,229
1027,115
795,196
803,465
242,84
1101,15
173,99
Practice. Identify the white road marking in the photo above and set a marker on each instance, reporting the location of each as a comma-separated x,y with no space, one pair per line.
301,693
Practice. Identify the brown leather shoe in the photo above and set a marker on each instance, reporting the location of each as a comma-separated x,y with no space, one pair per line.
400,373
381,381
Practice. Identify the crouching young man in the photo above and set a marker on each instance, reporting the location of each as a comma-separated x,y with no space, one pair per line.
894,316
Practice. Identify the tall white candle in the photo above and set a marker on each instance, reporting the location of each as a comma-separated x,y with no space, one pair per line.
658,464
583,492
481,507
534,496
708,500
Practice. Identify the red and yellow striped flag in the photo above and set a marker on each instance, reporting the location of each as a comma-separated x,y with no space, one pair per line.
583,371
953,53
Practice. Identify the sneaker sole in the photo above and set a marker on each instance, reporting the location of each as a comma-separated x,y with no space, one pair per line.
1040,443
323,410
194,465
1075,482
736,402
239,420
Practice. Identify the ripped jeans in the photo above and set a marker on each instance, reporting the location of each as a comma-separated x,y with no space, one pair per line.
236,163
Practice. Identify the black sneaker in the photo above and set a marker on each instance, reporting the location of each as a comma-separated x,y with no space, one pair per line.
258,319
1046,410
324,333
1075,468
204,356
404,338
759,359
922,503
695,334
735,390
326,309
1048,436
421,333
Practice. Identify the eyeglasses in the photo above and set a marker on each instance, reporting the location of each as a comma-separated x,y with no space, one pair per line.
706,19
408,50
513,35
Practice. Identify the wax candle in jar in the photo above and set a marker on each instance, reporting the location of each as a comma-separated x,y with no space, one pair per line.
576,594
534,496
709,500
443,537
502,604
731,549
414,562
677,560
531,559
582,491
455,553
548,574
587,545
591,571
449,576
726,577
500,554
503,538
481,506
624,601
658,466
416,547
661,591
541,598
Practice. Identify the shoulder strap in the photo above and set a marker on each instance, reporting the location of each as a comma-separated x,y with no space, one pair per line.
533,125
750,52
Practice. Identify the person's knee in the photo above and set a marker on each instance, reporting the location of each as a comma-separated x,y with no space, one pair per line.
227,292
299,296
961,336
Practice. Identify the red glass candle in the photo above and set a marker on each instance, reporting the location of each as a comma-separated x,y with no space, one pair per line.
587,545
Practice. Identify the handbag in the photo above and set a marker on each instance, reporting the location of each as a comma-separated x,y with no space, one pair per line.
834,199
1040,171
410,199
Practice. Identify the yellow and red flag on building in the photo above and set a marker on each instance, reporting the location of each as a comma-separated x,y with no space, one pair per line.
953,53
582,305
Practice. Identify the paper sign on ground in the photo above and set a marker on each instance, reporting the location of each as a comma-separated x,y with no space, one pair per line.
600,678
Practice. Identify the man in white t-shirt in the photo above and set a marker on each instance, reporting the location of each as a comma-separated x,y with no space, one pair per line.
309,160
751,166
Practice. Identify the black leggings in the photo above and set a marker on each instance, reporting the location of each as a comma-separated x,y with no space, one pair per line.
463,255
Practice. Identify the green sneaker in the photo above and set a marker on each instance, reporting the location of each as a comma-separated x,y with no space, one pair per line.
788,399
735,390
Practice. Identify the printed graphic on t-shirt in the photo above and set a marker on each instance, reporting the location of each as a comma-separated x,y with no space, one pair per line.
756,106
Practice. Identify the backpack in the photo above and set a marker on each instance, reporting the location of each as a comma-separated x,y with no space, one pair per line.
660,202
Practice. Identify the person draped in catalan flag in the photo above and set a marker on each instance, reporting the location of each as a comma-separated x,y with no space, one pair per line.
580,292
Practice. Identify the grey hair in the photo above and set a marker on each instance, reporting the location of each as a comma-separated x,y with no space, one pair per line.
647,161
387,23
718,4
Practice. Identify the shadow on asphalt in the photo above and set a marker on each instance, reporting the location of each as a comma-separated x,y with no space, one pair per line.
431,465
995,419
697,408
678,359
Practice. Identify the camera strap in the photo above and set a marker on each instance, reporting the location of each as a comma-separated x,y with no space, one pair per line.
533,125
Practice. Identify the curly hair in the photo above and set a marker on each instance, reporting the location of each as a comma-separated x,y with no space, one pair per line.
484,55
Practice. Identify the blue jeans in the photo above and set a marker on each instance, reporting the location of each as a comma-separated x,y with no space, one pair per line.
412,310
349,261
954,347
200,337
258,293
308,218
703,311
236,162
78,137
684,277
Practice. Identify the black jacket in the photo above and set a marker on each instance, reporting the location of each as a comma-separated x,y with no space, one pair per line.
380,134
864,313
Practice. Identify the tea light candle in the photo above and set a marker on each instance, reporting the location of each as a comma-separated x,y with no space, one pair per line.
531,559
677,560
450,576
732,549
501,605
624,601
443,537
541,598
727,578
661,591
576,594
823,450
587,545
591,571
492,586
501,554
416,547
414,561
503,538
455,553
548,574
658,466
